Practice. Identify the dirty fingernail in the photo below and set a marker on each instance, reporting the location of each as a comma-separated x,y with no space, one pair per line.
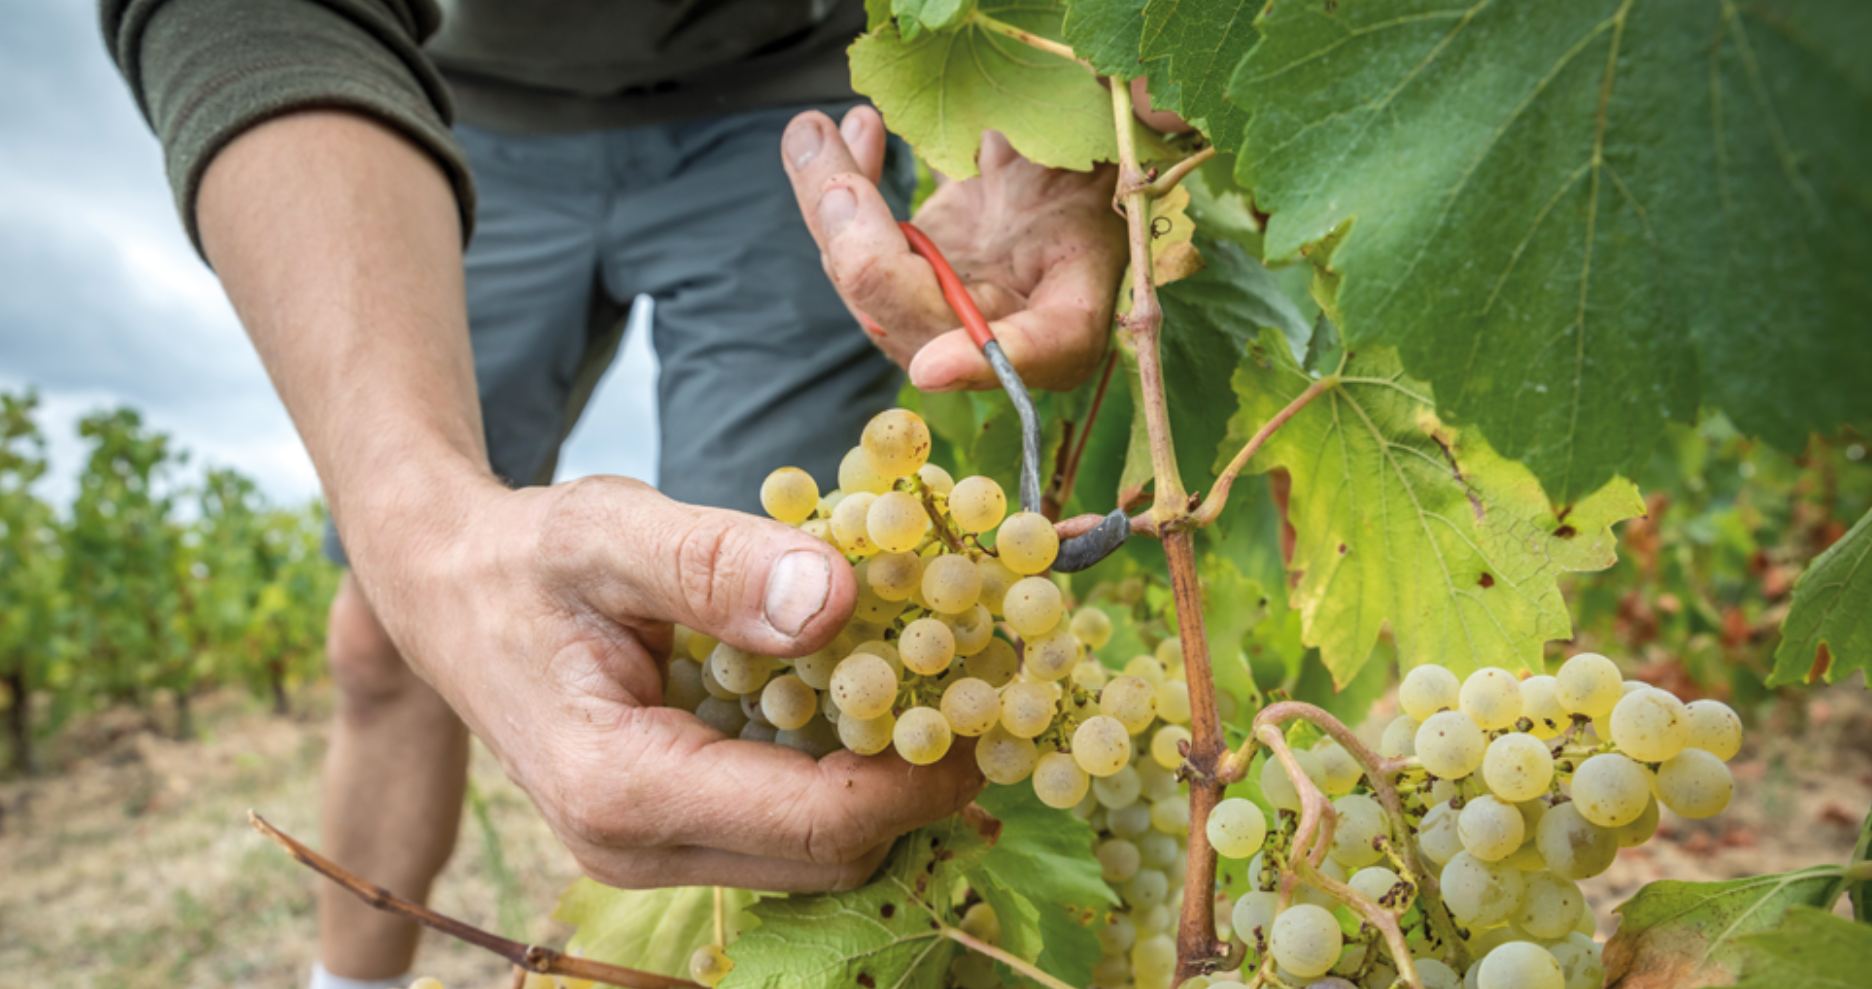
797,589
836,210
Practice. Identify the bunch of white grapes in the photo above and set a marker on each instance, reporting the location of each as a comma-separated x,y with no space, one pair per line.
1515,790
930,653
1141,818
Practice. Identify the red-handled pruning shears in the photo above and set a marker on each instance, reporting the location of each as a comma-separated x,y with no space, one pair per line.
1078,552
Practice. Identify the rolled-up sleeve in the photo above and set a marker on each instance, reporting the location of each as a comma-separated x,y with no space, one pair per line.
204,71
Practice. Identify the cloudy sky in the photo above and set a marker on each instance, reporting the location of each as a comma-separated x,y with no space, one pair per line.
103,302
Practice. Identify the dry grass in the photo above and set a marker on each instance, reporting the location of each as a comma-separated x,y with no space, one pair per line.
134,867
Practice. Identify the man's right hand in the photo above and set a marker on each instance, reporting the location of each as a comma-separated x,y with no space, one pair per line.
540,614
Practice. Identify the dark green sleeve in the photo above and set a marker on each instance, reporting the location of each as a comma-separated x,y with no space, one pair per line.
203,71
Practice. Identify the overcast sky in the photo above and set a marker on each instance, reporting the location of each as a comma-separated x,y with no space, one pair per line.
103,302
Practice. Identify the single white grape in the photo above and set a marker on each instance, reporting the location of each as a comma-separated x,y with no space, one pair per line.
850,524
896,443
724,716
1343,773
936,479
1173,701
1161,851
922,736
1438,834
894,576
1118,859
1714,728
1058,780
1610,790
1588,684
1639,831
1171,815
1375,884
951,584
1005,759
1118,935
1518,767
867,736
996,579
739,670
1574,847
995,664
1092,626
708,965
977,504
1164,745
1147,669
1278,787
1120,789
1695,784
1491,830
972,629
896,522
1131,700
864,686
1131,821
856,475
788,702
926,646
685,688
1428,689
1101,746
817,739
1236,828
1032,606
1156,781
1540,704
1361,824
790,495
1051,656
1579,961
971,706
1027,709
873,608
1253,918
1400,738
1551,906
1306,940
1027,543
1480,894
1650,725
1153,956
1520,965
1602,726
1090,675
1437,975
1451,745
1491,698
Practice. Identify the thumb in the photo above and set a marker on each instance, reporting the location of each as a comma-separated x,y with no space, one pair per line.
754,583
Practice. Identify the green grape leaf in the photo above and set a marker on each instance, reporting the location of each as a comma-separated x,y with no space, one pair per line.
1692,934
1828,631
936,15
942,89
884,933
1191,48
1578,220
1812,949
1107,34
1859,885
1352,701
655,930
1044,858
877,14
1404,521
1232,605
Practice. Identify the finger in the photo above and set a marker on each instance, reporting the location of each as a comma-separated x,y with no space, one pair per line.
679,782
696,866
628,552
863,133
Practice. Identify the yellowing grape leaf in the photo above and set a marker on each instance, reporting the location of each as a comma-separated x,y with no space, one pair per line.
1577,220
1832,612
1403,520
887,933
942,89
1674,934
655,930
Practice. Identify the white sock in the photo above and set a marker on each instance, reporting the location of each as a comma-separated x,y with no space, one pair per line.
322,979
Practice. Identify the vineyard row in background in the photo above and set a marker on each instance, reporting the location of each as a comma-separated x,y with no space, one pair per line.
145,590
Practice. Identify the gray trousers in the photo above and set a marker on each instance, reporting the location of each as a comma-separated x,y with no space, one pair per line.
761,364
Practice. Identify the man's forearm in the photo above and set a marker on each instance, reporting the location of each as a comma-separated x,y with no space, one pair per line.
339,244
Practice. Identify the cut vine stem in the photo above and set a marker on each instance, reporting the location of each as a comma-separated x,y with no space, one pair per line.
530,957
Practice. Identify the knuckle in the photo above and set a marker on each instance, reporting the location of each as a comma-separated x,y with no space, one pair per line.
706,570
858,274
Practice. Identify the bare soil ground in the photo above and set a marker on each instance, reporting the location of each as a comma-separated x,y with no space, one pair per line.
132,865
